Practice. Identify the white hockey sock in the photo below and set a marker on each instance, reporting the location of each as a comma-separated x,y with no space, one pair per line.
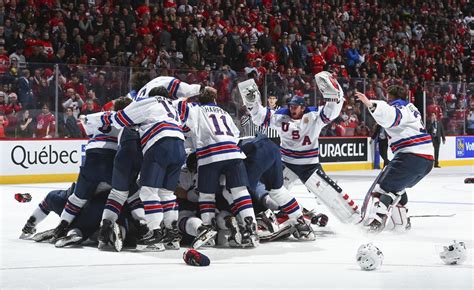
287,204
170,207
114,204
136,206
269,203
40,213
72,208
152,205
242,205
192,225
207,207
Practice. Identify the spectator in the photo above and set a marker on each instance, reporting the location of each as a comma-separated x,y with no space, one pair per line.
380,136
25,90
90,107
3,125
3,103
73,101
436,130
470,123
25,126
45,123
71,128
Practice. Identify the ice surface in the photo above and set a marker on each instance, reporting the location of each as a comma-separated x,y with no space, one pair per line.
411,259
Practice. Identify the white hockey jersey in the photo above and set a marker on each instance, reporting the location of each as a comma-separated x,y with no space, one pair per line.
213,132
404,127
156,117
98,139
299,138
176,88
188,181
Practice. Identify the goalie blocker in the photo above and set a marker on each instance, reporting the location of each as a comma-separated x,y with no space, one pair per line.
327,191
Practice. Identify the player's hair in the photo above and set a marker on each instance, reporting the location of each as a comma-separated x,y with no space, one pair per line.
159,91
139,80
121,103
207,96
397,92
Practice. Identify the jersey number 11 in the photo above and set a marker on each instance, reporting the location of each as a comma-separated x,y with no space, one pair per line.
216,120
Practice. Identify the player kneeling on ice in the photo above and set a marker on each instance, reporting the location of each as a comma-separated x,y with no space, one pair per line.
299,127
384,206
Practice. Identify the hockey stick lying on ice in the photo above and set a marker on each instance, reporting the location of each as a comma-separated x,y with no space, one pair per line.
432,215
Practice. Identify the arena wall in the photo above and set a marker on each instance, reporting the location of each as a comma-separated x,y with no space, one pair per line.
58,160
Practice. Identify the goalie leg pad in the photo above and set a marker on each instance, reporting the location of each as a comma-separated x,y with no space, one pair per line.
289,178
338,202
398,221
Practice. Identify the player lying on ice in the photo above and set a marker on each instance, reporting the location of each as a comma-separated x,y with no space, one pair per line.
86,224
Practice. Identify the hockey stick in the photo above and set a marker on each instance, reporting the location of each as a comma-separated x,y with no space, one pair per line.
432,215
369,194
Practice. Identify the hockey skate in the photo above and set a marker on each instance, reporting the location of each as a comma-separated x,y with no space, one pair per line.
60,231
45,236
320,219
73,238
235,237
206,233
377,225
29,229
172,237
149,240
302,230
110,235
249,233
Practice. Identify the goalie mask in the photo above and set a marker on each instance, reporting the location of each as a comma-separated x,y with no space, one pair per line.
329,86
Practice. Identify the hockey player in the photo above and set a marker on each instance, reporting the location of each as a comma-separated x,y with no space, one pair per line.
127,164
176,88
97,169
263,163
82,227
125,172
413,156
215,138
162,141
299,127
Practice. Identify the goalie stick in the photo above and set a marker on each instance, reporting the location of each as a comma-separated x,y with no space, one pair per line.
369,194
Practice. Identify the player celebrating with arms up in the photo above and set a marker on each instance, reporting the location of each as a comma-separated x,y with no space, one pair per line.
413,160
299,127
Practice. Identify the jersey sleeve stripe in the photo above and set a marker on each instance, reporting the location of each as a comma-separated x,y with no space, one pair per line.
398,118
183,110
324,118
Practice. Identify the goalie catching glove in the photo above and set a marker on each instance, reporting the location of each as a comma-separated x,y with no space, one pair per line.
250,93
329,87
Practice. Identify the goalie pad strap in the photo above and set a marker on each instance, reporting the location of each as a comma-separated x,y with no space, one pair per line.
338,202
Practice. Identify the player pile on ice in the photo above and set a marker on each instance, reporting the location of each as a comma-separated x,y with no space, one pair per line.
139,193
